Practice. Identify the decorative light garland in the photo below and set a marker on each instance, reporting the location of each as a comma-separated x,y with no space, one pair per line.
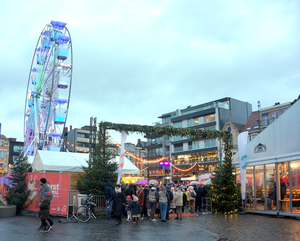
136,157
183,170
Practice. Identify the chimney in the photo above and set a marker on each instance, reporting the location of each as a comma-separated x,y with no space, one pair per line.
71,127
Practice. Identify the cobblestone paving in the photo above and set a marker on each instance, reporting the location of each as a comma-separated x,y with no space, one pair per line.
203,227
25,228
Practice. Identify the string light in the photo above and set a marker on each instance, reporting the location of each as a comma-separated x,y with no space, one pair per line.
136,157
152,161
183,170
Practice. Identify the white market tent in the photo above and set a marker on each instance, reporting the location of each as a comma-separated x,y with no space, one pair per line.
279,142
129,167
59,161
70,162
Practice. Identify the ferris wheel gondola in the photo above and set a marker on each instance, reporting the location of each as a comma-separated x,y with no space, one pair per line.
48,90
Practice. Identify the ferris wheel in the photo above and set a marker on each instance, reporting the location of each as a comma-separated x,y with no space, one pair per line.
48,90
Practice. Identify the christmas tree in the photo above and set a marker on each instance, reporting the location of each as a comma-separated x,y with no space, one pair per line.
224,192
100,168
16,191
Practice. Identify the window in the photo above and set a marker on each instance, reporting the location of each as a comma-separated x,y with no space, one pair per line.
210,143
210,128
80,135
229,129
209,118
284,110
196,145
178,124
190,145
1,143
178,147
265,119
190,122
18,148
3,154
166,120
275,115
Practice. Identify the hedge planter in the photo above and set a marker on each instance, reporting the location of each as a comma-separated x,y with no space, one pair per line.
8,211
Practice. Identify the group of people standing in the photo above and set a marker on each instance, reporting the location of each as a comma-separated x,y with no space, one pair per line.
137,202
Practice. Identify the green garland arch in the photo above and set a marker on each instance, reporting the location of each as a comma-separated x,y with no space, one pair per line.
171,131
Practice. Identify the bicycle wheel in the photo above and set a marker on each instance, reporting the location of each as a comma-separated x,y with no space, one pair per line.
83,214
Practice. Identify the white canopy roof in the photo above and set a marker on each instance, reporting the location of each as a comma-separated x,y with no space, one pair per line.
71,162
59,161
279,142
129,167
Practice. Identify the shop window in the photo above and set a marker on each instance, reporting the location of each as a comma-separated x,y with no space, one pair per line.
249,188
260,187
271,187
284,190
295,186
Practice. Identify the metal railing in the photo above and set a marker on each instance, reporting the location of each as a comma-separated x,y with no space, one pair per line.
75,201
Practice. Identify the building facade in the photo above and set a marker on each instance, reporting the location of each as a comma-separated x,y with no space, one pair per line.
84,140
4,154
261,119
185,152
15,148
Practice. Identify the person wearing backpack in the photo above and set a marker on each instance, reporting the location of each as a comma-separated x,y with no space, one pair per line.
192,196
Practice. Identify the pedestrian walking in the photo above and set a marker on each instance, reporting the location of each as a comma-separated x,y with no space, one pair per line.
43,189
172,205
146,193
200,194
169,202
140,196
192,196
128,209
119,200
163,202
153,200
108,192
178,199
136,209
44,212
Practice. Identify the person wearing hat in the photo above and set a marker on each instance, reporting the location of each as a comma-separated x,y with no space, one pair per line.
44,212
119,200
136,209
45,188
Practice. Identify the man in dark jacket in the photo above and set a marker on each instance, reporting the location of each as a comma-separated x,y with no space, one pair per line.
169,202
44,211
43,189
108,192
130,191
200,194
119,200
146,193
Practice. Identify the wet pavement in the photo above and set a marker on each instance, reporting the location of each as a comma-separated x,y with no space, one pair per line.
203,227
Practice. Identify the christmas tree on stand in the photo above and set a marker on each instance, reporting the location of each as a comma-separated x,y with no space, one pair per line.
17,192
100,168
224,192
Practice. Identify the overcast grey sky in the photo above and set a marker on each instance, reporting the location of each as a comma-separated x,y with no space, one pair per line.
135,60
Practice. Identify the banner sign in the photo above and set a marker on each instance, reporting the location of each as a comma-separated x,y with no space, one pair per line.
59,183
242,145
122,155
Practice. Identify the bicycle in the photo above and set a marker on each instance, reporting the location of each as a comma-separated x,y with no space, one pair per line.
86,211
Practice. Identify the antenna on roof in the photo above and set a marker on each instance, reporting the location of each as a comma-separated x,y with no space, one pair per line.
258,105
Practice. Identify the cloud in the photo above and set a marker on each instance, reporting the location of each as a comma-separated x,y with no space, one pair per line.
135,60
